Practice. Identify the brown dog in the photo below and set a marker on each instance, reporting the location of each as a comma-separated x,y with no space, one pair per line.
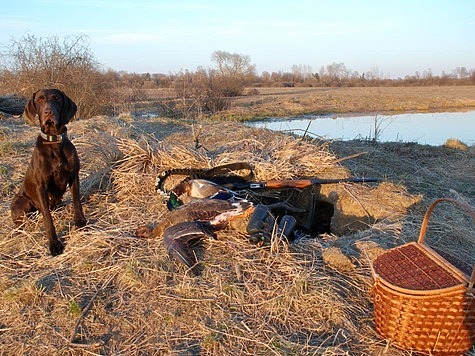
54,165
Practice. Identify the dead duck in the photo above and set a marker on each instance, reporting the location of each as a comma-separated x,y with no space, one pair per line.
192,189
216,212
198,188
194,221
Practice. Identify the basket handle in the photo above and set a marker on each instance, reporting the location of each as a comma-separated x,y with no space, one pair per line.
464,207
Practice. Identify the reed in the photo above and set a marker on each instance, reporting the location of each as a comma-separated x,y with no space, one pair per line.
113,293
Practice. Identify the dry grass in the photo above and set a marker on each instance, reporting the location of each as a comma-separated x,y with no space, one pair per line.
112,293
284,102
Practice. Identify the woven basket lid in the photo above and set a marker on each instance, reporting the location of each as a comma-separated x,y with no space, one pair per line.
411,267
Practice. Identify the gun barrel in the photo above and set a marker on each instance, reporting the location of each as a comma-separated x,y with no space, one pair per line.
298,183
345,180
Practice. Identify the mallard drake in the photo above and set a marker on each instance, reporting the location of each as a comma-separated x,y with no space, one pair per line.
192,189
193,221
198,188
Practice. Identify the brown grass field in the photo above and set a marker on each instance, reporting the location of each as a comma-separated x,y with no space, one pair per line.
112,293
283,102
296,101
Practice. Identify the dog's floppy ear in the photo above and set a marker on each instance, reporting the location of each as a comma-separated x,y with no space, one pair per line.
69,109
30,112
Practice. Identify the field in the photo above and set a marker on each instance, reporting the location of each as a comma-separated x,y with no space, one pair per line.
114,293
282,102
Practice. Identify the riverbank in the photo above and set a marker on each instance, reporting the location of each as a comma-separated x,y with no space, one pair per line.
285,102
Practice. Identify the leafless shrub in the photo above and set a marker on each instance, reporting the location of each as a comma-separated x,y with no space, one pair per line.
189,93
202,91
67,64
217,90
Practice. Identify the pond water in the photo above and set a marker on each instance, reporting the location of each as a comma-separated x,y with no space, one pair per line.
426,128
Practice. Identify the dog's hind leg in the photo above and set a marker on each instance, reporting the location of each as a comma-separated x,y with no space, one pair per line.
20,207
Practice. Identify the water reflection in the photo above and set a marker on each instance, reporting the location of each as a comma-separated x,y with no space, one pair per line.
427,128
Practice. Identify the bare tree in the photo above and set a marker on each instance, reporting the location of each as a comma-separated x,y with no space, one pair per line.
461,72
302,72
232,70
233,65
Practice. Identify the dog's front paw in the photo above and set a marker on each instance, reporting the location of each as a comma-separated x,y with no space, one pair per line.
80,222
56,247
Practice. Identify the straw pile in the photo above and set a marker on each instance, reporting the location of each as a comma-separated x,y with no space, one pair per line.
112,293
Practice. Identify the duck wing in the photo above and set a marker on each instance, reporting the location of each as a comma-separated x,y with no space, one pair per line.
177,239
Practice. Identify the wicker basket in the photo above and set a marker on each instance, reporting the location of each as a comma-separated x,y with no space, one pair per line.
421,301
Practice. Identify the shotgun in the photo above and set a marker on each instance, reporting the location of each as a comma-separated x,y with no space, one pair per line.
296,183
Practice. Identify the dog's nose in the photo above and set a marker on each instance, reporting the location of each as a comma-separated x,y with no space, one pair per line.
50,123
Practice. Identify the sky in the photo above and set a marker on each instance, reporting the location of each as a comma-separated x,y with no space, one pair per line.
388,38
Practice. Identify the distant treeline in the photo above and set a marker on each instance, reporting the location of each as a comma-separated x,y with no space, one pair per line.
68,64
333,75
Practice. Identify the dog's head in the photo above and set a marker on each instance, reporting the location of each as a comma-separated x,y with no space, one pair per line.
54,110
